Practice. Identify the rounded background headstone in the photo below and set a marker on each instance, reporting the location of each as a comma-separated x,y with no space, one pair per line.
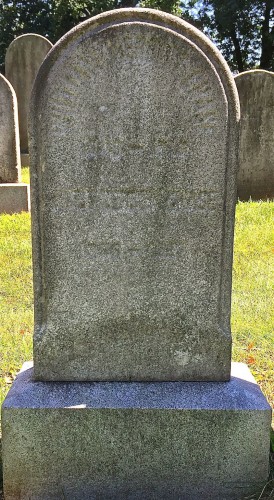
23,59
256,149
10,166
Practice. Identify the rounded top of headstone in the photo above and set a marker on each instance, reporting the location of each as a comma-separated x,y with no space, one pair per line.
149,17
28,38
252,72
253,81
6,84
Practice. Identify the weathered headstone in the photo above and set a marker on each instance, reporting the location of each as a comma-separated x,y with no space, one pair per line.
133,143
14,195
256,171
138,246
10,166
23,60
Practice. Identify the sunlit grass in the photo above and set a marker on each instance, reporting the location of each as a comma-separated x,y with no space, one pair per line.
16,300
25,175
253,292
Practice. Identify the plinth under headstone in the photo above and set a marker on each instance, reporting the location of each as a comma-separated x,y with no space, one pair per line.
14,195
134,126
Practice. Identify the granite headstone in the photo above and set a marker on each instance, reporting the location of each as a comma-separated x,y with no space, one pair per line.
256,169
134,176
134,128
24,57
10,166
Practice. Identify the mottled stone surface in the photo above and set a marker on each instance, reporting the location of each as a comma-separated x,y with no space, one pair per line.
256,171
10,166
133,138
14,198
145,441
23,59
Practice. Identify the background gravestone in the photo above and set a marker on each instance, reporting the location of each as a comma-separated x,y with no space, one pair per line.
23,59
10,166
133,143
14,195
136,247
256,172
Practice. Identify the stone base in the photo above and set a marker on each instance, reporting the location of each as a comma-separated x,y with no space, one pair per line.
24,160
128,440
14,198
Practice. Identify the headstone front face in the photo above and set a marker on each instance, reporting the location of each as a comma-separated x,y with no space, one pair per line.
10,166
23,60
133,139
256,170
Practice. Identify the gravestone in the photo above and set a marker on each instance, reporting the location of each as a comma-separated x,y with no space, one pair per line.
148,297
14,195
10,166
133,140
256,172
24,57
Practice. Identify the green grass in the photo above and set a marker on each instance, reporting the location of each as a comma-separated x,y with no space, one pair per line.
253,292
16,295
16,298
25,175
252,298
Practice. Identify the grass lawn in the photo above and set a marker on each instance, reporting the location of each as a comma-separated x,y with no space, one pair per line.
25,175
252,298
253,292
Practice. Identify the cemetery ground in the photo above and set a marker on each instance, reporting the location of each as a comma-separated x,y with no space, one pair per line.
252,298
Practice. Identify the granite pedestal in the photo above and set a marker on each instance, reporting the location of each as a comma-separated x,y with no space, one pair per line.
127,440
14,198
